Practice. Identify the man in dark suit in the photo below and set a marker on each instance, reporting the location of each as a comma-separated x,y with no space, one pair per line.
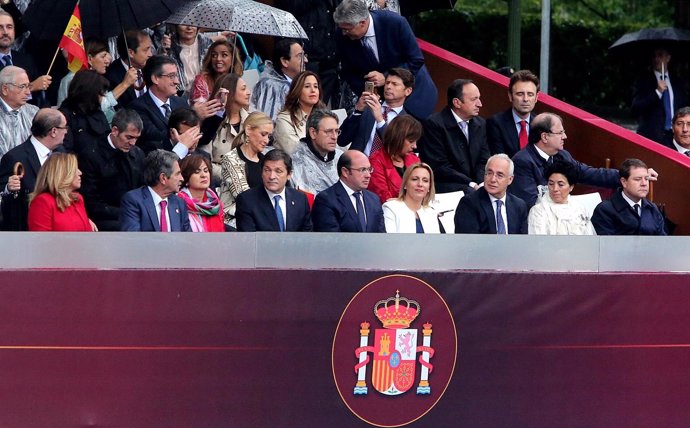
154,207
372,43
628,212
681,132
365,127
488,209
508,132
156,105
133,54
111,168
9,56
454,140
546,141
656,96
48,130
348,206
273,207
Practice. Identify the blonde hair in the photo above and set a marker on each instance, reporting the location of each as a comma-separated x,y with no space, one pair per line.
254,120
406,177
56,177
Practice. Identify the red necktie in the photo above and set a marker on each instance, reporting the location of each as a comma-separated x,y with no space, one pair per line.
164,218
377,144
523,134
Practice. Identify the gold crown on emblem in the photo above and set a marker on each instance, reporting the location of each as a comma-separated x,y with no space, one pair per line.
400,314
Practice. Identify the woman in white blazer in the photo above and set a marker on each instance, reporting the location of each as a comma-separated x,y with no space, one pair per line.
410,212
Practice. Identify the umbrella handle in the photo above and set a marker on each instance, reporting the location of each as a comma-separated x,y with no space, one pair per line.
18,169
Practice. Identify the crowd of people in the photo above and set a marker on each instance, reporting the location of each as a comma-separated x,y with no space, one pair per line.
171,138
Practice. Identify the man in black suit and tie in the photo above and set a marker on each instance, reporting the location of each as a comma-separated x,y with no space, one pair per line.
156,105
48,130
155,206
273,207
454,140
133,54
657,96
364,128
348,206
490,210
111,168
508,132
371,43
628,212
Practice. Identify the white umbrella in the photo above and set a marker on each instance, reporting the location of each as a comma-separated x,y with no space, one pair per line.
244,16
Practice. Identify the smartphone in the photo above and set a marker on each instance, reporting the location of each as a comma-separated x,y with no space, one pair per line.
222,96
369,87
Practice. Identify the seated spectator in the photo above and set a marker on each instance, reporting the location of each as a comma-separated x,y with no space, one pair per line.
347,206
410,212
555,213
270,91
317,155
399,142
55,205
628,212
99,59
111,168
221,58
155,207
241,166
490,210
134,48
185,128
273,207
303,97
454,142
221,132
16,115
86,122
20,166
203,205
365,127
546,140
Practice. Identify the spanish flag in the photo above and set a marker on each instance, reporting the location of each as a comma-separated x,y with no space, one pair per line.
73,43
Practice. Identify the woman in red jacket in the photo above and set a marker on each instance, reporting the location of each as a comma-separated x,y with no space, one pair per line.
399,142
55,204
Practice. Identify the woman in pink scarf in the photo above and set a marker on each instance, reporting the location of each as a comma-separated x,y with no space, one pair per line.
204,207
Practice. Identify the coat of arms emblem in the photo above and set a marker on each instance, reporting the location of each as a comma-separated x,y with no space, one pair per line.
395,349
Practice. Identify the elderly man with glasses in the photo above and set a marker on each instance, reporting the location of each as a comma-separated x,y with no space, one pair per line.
546,141
317,155
16,114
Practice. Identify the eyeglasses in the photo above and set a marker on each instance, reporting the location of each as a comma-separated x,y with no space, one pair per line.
363,169
335,132
22,87
171,75
557,133
61,127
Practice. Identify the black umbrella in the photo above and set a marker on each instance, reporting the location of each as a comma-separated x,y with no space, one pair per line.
647,39
47,19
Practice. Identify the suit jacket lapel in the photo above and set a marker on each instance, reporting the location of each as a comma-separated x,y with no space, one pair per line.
156,112
150,209
32,156
266,205
488,210
345,202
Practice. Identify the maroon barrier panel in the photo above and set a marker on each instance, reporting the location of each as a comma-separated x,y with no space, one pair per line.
252,348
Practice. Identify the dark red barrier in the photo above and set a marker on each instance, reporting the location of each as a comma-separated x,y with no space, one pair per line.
251,348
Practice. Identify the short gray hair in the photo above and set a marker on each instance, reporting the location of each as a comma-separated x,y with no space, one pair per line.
125,117
317,115
351,12
158,162
9,74
511,166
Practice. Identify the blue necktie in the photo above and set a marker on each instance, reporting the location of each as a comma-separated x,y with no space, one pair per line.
500,225
360,211
668,110
279,213
7,60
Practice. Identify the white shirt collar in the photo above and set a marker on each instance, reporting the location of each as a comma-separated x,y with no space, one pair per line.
110,141
542,153
517,119
630,201
42,151
680,148
158,102
156,197
370,30
494,199
458,119
271,195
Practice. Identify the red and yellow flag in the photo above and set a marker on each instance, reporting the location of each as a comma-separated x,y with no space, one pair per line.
73,43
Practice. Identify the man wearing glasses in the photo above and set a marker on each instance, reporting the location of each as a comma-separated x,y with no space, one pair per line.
15,113
348,206
155,106
546,140
317,155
